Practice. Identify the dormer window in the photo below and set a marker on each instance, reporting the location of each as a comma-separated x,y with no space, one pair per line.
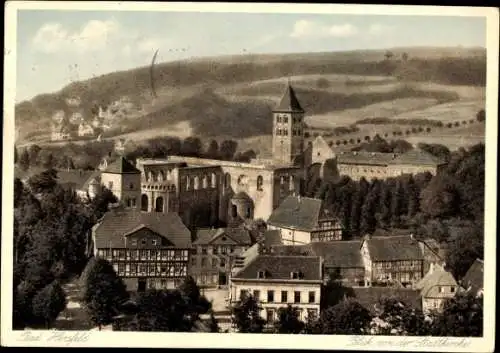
261,274
296,275
154,242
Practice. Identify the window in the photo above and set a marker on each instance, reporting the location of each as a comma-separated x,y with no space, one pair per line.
441,289
312,297
261,274
213,180
133,202
260,182
193,261
144,202
215,250
285,132
143,242
296,297
270,315
154,242
294,275
159,204
204,251
214,263
249,212
256,294
270,296
133,242
196,182
234,211
222,263
285,119
203,262
278,118
131,186
243,293
452,289
284,296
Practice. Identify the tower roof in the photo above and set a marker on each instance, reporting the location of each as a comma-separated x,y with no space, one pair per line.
289,102
121,166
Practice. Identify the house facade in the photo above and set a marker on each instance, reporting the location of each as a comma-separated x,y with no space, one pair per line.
214,252
437,286
392,260
303,220
279,281
147,250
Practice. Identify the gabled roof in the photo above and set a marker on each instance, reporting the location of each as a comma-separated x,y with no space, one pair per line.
73,178
394,248
370,297
289,102
280,268
271,238
474,278
239,235
297,212
116,223
121,166
417,156
339,254
430,283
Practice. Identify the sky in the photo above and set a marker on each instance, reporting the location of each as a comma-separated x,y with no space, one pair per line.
56,47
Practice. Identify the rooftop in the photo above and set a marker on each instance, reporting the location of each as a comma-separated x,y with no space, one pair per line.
370,297
474,278
430,283
339,254
282,267
116,223
394,248
289,102
302,213
238,236
121,166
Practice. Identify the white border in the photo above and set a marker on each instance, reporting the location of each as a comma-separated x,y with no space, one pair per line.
207,340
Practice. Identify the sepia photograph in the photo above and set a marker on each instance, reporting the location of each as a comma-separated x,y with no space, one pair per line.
246,171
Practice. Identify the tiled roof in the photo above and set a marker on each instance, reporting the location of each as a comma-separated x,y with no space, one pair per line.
281,267
120,221
239,235
301,213
370,297
365,158
289,102
417,157
346,254
291,250
74,178
121,166
429,285
271,238
393,248
474,278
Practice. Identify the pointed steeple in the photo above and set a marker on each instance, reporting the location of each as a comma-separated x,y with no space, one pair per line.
289,101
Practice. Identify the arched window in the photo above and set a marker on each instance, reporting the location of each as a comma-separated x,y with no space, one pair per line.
196,182
188,181
159,204
282,180
153,176
161,176
205,182
260,182
213,180
144,202
227,181
234,211
292,184
242,180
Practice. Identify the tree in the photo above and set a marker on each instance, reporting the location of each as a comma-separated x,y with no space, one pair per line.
288,321
104,293
213,150
462,316
348,317
228,149
191,147
43,182
440,198
162,310
388,55
396,317
196,303
246,315
333,292
370,205
467,246
100,203
481,115
404,56
48,303
33,152
48,161
213,325
24,160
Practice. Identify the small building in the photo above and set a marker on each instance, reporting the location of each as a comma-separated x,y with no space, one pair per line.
437,286
214,251
147,250
473,281
61,132
342,261
85,130
392,260
279,281
124,180
415,161
302,220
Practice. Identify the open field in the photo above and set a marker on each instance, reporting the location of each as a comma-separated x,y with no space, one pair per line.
448,112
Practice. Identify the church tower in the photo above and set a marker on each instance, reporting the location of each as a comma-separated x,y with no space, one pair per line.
288,129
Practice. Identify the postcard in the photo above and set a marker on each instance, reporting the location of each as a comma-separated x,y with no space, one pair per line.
217,175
